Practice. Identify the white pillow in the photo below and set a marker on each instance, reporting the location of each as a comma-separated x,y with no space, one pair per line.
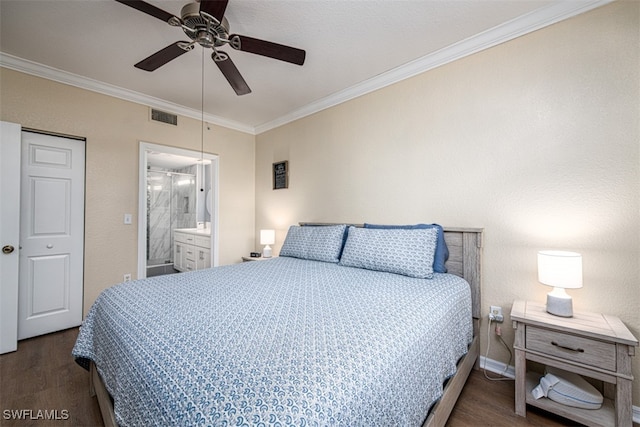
409,252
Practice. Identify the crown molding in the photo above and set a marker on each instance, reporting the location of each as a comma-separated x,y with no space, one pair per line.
50,73
502,33
510,30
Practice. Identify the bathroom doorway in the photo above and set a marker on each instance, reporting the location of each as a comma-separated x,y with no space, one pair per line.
178,210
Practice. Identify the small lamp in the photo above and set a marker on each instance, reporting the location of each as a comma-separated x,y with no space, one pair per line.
562,270
267,237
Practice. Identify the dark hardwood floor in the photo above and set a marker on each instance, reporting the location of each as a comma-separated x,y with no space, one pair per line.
42,376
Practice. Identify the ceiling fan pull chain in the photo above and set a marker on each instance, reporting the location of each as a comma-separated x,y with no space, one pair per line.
202,123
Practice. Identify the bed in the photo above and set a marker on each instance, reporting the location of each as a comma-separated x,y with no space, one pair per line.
315,337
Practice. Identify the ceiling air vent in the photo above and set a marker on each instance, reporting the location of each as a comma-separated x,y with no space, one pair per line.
161,116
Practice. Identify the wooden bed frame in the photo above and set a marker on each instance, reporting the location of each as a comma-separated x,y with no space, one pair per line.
465,260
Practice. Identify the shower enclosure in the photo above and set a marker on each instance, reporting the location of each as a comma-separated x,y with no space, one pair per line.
171,204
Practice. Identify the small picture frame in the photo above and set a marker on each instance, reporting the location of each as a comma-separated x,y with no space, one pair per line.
281,175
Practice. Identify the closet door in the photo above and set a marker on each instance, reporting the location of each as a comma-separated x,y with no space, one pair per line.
51,234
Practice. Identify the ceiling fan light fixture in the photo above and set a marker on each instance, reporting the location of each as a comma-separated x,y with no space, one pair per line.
203,21
205,39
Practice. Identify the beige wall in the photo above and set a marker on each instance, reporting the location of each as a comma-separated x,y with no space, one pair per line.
536,140
113,129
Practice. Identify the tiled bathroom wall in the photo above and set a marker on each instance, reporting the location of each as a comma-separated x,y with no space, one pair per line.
171,203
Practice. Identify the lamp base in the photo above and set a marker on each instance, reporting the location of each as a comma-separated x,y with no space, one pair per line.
559,305
266,252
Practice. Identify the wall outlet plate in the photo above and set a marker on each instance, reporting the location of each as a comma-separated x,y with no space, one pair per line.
495,314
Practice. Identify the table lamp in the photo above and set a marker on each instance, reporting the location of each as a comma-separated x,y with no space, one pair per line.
267,237
562,270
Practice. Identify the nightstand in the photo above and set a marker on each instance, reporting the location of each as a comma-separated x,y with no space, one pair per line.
593,345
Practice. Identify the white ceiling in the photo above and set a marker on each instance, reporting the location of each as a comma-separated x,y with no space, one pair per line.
353,47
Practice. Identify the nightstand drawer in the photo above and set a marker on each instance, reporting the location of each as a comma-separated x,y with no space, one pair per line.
571,347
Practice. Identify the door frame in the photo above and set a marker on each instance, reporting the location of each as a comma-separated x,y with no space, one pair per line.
142,199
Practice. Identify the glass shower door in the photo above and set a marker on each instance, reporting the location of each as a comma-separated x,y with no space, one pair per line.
159,239
171,204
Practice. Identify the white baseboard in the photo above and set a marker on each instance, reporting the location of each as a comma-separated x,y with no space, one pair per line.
499,368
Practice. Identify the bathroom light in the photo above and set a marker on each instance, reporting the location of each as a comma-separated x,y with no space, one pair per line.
267,237
562,270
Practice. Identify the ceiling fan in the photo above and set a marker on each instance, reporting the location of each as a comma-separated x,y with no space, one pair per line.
204,23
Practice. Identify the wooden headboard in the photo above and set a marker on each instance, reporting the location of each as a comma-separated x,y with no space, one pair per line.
465,258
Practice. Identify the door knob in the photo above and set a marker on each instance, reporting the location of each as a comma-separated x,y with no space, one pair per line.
49,246
7,249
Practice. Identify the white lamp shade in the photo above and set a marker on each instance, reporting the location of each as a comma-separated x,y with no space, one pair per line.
267,237
560,269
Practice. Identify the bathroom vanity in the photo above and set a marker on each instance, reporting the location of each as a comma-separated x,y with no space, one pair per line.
191,249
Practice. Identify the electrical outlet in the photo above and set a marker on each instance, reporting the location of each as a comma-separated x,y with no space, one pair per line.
127,277
495,314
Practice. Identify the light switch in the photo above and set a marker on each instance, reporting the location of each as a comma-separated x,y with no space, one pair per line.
127,218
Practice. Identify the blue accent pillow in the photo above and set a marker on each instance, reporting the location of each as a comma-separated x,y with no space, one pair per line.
442,252
409,252
318,243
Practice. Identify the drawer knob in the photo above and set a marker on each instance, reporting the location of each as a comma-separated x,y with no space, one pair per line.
576,350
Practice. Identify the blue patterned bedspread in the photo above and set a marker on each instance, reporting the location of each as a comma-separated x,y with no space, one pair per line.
282,342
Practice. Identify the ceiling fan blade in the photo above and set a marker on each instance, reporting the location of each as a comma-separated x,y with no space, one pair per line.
147,8
230,72
214,8
270,49
161,57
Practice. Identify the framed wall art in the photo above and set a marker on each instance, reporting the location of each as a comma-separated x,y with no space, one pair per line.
281,175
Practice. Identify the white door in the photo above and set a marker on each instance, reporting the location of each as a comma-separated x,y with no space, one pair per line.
51,234
9,234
